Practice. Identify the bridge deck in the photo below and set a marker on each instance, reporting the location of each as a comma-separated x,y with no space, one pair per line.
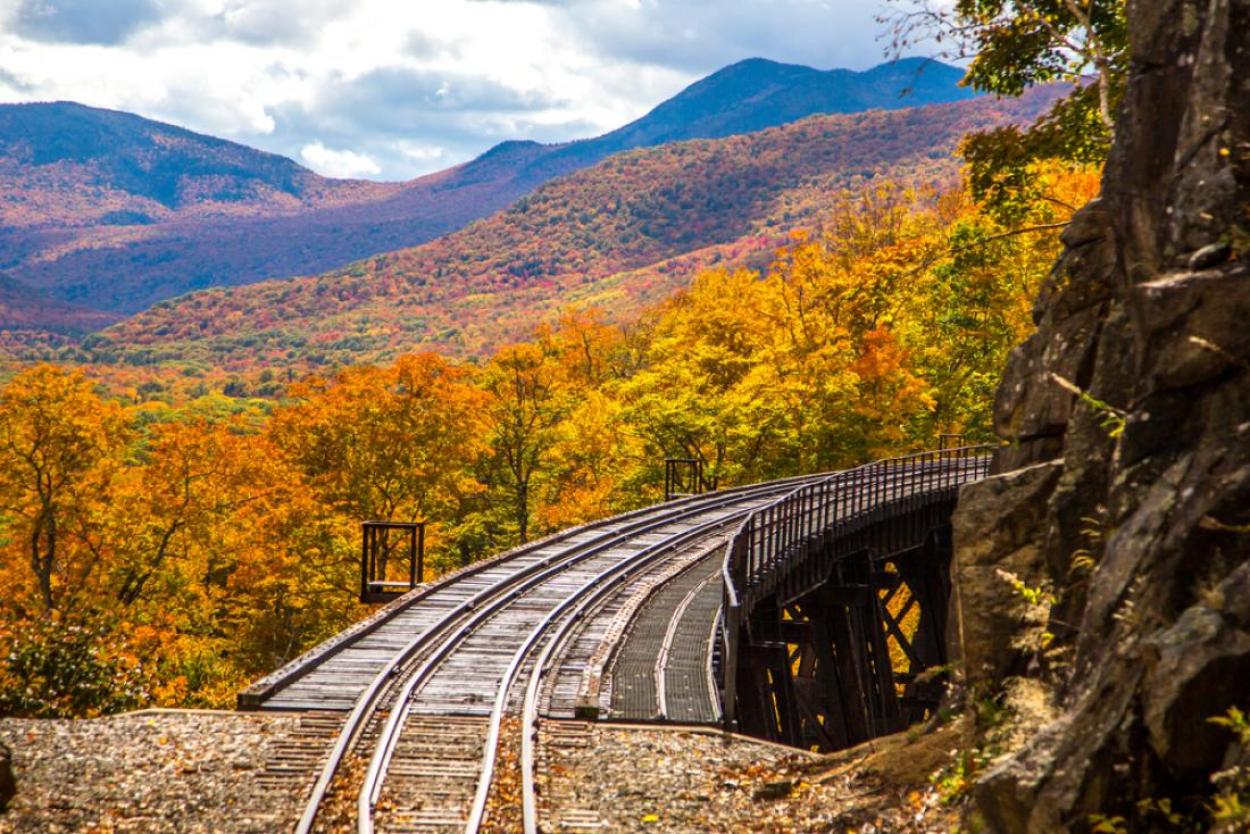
466,679
676,622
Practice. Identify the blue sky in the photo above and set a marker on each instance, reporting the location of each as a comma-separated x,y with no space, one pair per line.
391,89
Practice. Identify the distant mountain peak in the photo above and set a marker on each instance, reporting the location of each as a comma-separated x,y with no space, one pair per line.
118,212
758,93
144,158
759,65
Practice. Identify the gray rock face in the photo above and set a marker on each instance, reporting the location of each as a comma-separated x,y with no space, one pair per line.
994,531
1141,520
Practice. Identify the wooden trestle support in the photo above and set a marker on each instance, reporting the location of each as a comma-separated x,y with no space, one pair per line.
835,631
843,661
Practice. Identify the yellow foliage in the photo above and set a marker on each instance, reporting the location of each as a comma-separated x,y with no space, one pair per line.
209,541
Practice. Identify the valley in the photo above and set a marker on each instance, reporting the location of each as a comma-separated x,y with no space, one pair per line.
621,234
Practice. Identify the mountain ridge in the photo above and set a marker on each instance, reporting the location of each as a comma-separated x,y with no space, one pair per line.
699,111
193,223
654,213
152,161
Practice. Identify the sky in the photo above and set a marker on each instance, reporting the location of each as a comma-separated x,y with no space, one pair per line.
392,89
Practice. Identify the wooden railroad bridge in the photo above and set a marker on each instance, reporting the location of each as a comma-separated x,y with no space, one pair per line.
806,611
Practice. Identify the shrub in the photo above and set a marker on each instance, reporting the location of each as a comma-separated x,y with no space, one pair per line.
56,667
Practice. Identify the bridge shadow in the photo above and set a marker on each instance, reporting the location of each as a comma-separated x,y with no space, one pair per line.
835,603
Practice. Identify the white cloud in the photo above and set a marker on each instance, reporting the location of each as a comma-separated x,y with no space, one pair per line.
334,163
390,81
419,152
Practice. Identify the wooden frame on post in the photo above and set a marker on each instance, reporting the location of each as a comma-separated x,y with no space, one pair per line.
375,557
694,482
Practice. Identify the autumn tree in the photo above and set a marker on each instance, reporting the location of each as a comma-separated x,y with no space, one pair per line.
390,444
59,444
974,299
589,350
593,452
61,451
844,296
686,401
528,400
276,565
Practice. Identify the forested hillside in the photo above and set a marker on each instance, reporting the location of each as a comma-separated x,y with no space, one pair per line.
703,202
65,165
169,547
27,309
116,212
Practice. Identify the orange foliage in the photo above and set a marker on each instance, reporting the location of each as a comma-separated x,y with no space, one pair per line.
165,551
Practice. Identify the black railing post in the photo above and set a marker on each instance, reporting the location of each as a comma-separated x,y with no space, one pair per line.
767,540
876,489
421,553
412,561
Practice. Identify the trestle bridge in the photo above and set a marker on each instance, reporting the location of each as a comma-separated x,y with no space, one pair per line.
809,611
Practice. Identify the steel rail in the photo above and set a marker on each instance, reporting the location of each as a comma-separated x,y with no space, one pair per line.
585,597
495,597
713,691
389,737
670,633
367,703
299,665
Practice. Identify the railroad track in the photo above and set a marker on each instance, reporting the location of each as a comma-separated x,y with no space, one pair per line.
686,637
418,751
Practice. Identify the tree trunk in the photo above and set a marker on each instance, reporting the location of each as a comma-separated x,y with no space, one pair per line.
523,510
8,785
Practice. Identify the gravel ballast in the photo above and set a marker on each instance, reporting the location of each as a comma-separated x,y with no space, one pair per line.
157,772
247,773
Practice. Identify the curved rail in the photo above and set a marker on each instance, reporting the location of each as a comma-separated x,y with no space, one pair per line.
389,738
774,538
710,670
587,596
666,646
456,624
257,693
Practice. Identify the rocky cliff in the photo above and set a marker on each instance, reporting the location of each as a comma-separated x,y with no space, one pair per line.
1106,568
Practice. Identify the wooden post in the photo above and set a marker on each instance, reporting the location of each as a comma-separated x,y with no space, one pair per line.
832,704
412,558
375,553
364,562
849,659
420,554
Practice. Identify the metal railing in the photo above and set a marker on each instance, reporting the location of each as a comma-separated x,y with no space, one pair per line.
775,538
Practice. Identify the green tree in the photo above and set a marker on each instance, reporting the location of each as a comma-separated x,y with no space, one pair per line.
1016,45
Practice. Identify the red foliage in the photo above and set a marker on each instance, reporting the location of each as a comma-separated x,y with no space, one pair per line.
624,232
